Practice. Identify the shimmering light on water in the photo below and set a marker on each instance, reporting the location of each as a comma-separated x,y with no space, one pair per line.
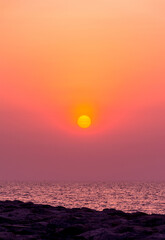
128,197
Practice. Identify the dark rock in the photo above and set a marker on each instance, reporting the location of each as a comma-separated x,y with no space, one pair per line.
29,221
59,208
72,230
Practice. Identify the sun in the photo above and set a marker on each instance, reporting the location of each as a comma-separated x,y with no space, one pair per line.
84,121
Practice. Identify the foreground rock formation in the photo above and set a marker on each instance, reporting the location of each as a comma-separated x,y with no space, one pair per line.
24,221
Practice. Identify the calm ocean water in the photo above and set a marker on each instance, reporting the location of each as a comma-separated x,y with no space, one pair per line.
128,197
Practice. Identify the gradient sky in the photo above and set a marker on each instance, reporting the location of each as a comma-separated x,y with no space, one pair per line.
63,58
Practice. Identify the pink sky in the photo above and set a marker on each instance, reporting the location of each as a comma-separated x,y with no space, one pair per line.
60,59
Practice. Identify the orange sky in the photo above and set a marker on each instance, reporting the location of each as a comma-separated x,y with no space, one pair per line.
60,59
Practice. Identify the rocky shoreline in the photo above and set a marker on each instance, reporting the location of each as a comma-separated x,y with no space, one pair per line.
24,221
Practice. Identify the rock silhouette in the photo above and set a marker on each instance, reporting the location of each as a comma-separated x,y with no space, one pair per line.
25,221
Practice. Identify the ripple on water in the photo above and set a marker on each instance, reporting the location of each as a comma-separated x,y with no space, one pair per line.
128,197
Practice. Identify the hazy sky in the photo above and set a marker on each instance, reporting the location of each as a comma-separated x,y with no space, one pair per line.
60,59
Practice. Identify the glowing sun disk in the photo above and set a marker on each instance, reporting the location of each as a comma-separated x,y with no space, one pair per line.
84,121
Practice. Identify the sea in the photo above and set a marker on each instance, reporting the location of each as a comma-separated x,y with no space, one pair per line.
128,197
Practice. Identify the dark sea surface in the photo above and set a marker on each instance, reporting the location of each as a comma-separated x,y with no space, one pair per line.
128,197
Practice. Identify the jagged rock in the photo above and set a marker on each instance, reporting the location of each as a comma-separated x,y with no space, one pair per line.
29,221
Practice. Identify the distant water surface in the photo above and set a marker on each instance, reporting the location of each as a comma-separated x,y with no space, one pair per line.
128,197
